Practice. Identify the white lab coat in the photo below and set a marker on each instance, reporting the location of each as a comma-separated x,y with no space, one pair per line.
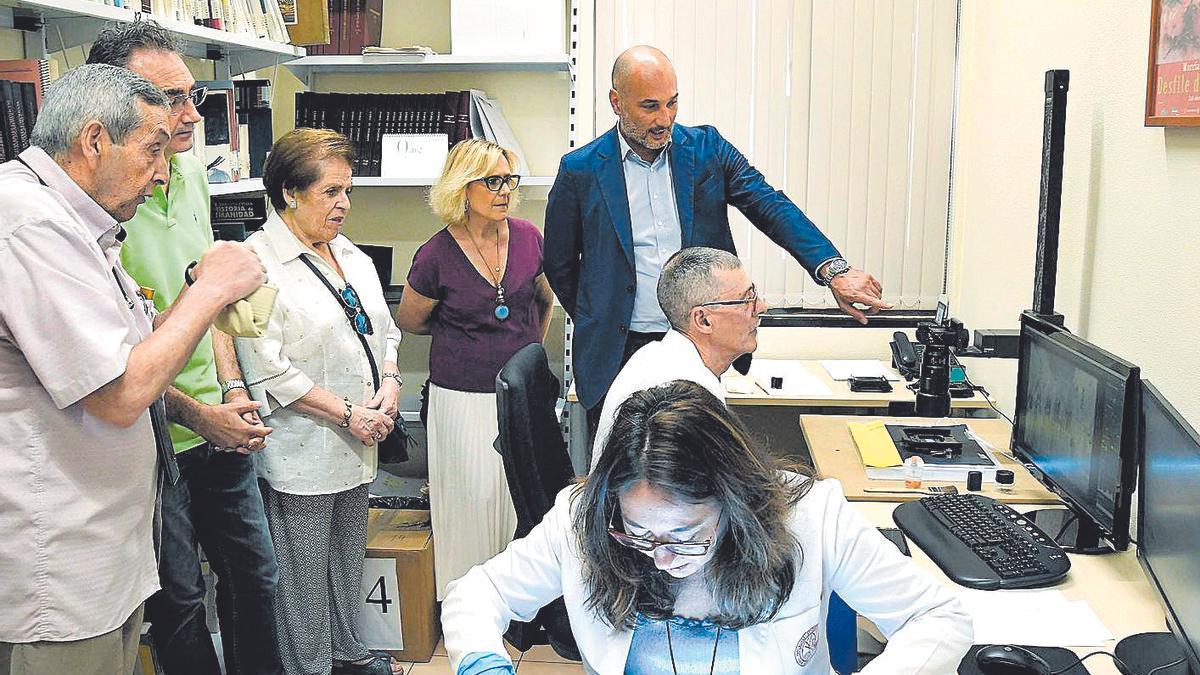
927,629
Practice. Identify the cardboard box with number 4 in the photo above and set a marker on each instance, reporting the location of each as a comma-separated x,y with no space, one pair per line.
399,609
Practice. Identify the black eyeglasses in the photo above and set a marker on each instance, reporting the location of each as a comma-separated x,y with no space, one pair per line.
752,298
179,101
354,310
496,182
684,548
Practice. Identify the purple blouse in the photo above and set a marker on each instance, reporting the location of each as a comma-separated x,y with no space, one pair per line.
470,345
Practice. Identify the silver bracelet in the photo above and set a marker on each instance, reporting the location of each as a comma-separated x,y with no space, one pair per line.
230,385
394,376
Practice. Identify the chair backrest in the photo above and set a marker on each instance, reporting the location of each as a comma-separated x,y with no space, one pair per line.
530,441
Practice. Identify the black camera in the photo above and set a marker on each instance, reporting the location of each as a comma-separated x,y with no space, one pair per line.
940,337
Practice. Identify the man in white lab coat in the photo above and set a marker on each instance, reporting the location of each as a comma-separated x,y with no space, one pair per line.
713,308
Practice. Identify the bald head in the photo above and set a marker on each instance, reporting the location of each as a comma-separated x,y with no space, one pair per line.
640,62
644,97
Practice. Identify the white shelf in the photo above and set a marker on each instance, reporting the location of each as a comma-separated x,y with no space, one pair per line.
76,22
250,186
376,181
308,66
246,186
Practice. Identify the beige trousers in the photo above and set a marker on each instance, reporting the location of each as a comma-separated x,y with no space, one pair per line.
113,653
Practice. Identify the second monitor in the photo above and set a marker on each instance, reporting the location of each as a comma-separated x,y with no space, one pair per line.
1076,424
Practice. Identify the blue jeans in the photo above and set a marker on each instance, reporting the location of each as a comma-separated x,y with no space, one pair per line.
218,504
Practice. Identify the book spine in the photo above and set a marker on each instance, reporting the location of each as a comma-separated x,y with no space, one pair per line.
357,10
29,100
18,104
449,115
372,22
462,130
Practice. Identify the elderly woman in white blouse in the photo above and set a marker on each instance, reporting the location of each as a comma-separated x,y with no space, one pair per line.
315,382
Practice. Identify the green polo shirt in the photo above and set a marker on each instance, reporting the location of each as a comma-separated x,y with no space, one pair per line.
169,231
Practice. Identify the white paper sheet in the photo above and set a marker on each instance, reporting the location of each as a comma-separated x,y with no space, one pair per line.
736,383
795,377
413,155
844,369
1038,618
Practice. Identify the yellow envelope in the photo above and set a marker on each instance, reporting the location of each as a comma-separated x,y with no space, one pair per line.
874,444
248,317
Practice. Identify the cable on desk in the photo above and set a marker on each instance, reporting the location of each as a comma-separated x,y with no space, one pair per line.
987,397
1067,523
1080,659
1167,665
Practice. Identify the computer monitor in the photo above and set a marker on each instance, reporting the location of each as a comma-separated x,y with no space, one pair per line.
1169,530
382,257
1076,424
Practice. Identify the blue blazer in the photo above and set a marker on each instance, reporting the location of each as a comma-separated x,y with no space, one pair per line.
589,236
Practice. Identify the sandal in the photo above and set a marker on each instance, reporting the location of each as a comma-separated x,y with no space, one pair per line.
391,660
378,665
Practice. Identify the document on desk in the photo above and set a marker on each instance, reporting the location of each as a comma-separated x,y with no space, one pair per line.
1038,618
785,378
882,460
736,383
844,369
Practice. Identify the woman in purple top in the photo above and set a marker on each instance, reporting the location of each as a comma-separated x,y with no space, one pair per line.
477,287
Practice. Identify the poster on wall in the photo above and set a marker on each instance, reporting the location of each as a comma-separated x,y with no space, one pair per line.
1173,71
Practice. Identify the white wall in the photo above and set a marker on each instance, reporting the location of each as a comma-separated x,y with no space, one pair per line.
1127,279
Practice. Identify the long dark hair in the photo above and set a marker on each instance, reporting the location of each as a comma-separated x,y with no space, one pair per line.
683,441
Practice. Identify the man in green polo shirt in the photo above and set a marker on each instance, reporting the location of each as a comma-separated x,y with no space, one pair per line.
217,501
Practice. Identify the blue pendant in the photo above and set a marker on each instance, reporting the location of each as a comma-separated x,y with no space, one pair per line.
501,312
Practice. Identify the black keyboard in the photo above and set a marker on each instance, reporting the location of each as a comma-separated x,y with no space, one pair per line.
980,543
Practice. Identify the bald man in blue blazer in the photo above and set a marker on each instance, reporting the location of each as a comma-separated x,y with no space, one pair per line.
624,203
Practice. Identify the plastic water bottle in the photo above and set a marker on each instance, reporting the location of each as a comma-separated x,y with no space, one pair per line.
914,468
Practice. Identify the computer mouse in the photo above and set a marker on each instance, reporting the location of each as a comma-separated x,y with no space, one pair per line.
1010,660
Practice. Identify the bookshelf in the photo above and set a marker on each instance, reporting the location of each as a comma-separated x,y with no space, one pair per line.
535,93
306,68
71,23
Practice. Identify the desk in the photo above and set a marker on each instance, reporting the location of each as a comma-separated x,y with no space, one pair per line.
840,398
835,455
1113,585
840,395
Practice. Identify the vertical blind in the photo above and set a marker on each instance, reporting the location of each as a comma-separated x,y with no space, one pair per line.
845,105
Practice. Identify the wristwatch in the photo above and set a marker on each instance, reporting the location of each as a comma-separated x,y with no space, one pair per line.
833,268
230,385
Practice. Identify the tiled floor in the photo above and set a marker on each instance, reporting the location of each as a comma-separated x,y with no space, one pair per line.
540,660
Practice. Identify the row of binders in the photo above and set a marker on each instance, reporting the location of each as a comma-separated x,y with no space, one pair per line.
21,84
233,138
260,18
366,118
353,26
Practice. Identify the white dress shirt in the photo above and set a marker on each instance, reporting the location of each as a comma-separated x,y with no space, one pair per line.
77,494
927,629
657,235
673,358
309,342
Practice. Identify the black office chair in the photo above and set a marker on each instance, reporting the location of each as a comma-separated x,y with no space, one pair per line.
537,467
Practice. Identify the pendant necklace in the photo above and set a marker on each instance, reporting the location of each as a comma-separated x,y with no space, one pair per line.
501,311
671,650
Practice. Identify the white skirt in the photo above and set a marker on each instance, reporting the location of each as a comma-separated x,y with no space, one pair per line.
470,507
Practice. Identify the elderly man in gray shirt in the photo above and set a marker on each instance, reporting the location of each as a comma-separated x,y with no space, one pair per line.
83,358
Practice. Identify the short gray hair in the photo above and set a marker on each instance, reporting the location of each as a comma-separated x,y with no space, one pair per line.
99,92
117,43
688,280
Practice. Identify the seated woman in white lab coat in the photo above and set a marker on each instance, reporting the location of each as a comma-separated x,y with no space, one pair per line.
689,550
